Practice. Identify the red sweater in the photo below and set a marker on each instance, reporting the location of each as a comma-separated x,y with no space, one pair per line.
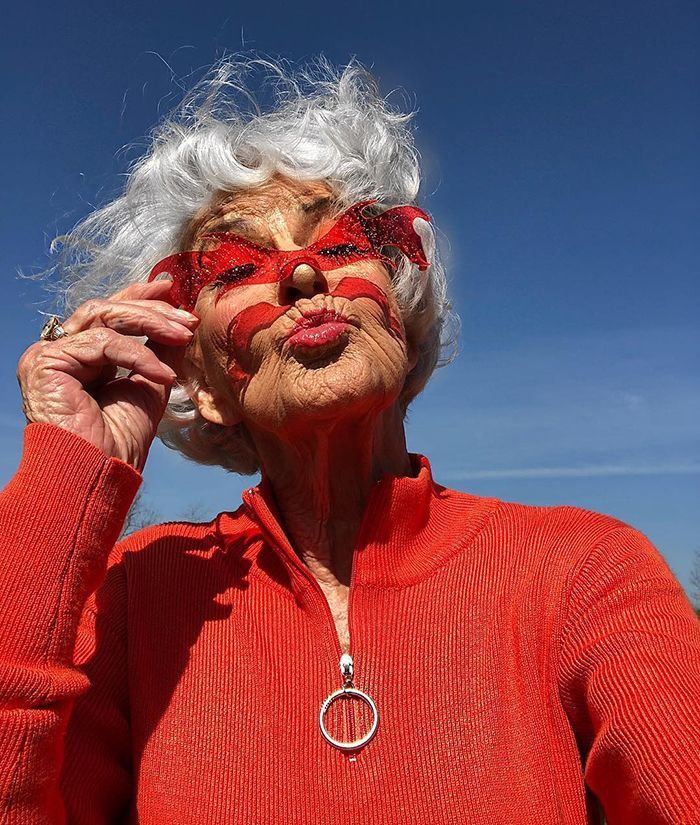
524,661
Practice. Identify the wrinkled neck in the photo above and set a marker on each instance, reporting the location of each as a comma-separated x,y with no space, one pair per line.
321,479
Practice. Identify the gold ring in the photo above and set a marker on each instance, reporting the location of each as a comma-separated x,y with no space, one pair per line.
52,329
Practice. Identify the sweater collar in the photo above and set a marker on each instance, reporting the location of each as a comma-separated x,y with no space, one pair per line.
410,527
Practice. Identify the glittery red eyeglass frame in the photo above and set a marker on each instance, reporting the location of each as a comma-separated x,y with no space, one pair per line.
236,261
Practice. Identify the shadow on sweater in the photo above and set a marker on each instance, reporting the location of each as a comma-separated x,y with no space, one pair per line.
165,586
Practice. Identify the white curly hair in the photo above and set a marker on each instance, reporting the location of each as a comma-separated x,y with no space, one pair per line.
321,123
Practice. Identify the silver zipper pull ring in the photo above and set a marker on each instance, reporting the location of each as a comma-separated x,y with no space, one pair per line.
347,671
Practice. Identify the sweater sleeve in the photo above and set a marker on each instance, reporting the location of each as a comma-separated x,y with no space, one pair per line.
96,782
630,683
60,516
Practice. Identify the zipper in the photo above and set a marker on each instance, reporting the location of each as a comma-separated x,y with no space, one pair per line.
280,539
346,662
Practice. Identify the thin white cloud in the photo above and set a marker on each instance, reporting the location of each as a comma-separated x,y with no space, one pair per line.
620,403
590,471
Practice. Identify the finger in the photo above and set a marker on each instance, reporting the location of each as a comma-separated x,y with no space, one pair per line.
138,392
108,373
86,354
172,356
134,404
147,289
181,315
97,310
132,319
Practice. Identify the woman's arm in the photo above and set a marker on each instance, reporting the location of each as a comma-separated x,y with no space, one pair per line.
59,518
97,777
630,683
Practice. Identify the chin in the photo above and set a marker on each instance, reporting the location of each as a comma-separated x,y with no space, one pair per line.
328,387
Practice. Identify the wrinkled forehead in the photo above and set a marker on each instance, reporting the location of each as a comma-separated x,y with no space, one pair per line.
257,214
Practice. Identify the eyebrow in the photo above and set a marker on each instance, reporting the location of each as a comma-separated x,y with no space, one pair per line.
311,208
321,204
234,223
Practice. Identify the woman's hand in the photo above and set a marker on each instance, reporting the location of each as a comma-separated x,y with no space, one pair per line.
72,382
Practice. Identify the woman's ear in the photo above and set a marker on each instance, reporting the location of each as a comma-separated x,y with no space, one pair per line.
212,407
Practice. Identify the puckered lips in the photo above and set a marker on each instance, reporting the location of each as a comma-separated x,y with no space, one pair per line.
318,328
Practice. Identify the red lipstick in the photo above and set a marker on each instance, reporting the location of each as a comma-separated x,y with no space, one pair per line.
317,328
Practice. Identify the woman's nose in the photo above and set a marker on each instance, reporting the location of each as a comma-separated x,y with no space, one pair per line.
302,282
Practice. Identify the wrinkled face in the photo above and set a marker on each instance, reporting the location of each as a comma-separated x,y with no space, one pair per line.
300,343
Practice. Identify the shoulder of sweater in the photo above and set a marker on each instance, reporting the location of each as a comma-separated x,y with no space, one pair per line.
557,517
570,531
151,546
175,534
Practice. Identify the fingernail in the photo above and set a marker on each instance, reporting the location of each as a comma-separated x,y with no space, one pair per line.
175,327
183,313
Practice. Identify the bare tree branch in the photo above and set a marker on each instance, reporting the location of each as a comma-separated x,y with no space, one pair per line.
139,516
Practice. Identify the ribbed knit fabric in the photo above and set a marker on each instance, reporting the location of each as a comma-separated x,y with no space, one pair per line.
525,662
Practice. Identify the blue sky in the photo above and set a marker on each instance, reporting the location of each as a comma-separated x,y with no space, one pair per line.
560,145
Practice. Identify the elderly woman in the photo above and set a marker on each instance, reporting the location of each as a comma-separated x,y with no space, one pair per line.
355,643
